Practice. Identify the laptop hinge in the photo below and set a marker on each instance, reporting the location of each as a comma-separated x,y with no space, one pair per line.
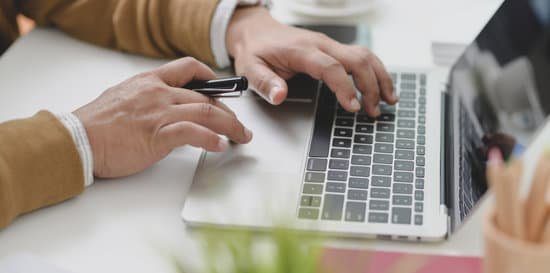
447,155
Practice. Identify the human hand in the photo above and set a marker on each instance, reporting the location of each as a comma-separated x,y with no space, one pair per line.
268,52
140,121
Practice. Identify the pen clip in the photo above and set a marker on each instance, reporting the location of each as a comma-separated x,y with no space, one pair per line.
231,92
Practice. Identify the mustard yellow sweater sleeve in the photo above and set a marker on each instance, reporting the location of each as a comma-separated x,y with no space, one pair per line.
39,165
157,28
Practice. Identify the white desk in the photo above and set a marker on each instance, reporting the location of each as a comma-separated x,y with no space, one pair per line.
128,225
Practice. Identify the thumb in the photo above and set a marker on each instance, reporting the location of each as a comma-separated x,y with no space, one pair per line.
267,83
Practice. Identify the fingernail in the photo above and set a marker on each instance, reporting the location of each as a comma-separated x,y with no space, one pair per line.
248,134
377,111
223,144
273,93
355,105
395,97
495,156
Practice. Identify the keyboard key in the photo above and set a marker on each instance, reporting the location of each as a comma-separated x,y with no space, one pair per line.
407,96
386,117
405,123
401,188
344,122
313,188
419,183
404,154
358,183
337,175
359,171
310,201
341,142
401,165
420,172
378,217
308,213
407,104
419,195
406,114
402,200
357,195
401,215
315,177
341,112
383,148
420,161
379,205
386,108
404,144
355,212
333,206
382,137
381,181
335,187
316,164
343,132
408,77
363,118
385,127
422,101
380,193
408,86
363,139
340,153
362,149
418,207
383,158
421,140
422,109
422,119
402,133
420,150
364,128
381,169
422,79
423,91
421,130
338,164
360,160
418,220
403,177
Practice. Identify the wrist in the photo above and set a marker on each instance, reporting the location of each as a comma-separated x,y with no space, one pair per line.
243,25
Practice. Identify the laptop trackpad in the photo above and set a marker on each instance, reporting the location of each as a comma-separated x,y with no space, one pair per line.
250,179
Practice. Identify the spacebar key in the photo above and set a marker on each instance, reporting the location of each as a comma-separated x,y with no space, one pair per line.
320,141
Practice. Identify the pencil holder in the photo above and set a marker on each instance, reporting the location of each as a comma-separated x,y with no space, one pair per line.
506,254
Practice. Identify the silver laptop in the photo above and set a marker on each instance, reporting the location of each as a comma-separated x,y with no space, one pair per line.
414,173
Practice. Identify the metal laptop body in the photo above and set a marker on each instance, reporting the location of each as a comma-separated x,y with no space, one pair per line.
266,183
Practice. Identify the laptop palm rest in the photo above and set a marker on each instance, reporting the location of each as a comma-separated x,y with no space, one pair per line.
256,183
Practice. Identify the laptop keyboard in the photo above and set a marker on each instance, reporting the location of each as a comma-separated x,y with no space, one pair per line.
361,169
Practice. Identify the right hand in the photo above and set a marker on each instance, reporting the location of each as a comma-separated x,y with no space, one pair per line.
140,121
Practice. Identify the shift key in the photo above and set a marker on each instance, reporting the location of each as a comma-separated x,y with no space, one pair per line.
333,206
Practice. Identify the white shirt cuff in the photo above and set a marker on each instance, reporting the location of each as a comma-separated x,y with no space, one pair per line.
80,138
218,28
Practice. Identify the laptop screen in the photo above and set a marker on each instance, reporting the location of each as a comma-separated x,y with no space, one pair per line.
500,95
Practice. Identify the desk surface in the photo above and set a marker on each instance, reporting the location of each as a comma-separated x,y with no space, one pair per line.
131,224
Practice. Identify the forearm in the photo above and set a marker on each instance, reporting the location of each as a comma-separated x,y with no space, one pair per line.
39,165
167,28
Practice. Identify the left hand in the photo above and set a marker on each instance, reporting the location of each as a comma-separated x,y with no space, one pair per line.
268,52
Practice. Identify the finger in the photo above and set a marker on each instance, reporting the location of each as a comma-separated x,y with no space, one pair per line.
266,82
187,133
384,80
326,68
360,62
185,96
181,71
211,117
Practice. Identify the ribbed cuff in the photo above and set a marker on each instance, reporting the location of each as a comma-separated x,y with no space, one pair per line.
80,138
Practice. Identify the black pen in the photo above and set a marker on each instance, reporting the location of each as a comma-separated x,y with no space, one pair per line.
224,87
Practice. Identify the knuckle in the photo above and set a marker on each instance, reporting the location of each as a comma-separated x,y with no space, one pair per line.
206,110
191,61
